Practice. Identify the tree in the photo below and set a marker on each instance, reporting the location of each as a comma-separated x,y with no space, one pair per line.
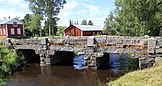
135,17
108,25
53,26
90,22
48,9
60,30
27,21
35,24
84,22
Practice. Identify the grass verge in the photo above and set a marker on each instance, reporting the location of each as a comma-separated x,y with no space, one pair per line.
147,77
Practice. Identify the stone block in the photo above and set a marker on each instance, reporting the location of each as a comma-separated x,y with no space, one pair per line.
44,41
91,42
158,59
151,45
146,62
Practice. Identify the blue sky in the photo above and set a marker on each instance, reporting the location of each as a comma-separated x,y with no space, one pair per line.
76,10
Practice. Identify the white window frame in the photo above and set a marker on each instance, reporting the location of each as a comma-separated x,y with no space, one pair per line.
18,31
12,31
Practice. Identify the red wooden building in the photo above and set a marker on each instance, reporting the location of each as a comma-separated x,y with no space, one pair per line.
11,28
83,30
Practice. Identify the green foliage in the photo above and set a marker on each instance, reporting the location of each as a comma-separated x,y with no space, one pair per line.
9,61
50,24
60,30
135,18
2,82
20,59
48,9
8,58
84,22
90,22
32,24
1,39
35,24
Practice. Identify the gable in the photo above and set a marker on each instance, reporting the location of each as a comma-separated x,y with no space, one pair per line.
10,21
15,20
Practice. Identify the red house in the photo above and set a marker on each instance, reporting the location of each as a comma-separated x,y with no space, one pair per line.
83,30
11,28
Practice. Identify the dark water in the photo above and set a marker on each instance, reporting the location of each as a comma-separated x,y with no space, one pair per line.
34,75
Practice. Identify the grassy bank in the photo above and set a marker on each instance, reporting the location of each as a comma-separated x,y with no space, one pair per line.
147,77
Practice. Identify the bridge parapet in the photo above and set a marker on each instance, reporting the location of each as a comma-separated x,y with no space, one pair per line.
91,46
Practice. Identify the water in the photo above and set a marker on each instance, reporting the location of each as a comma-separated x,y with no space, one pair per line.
34,75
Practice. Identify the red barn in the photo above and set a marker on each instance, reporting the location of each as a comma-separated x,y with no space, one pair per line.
11,28
82,30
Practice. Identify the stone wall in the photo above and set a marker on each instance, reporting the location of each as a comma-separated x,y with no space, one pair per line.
146,48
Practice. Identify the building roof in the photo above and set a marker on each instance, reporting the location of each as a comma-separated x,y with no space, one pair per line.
89,27
7,20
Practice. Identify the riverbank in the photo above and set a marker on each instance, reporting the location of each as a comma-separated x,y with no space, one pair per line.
147,77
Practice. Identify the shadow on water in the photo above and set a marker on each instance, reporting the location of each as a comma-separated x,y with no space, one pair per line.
34,75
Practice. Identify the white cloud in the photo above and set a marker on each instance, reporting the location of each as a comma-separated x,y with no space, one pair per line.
21,3
13,8
11,13
71,4
66,12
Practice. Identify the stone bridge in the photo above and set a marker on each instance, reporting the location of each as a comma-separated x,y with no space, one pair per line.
147,49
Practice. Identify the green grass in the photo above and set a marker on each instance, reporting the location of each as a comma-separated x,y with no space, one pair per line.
1,39
147,77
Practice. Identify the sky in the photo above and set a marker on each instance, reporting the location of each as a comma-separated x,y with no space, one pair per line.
75,10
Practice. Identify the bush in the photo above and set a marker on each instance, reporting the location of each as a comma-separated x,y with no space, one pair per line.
2,82
8,61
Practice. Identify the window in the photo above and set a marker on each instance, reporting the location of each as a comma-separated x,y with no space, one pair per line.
15,24
0,31
18,31
12,31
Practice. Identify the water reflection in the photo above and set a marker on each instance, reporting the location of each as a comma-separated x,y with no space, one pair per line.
34,75
60,76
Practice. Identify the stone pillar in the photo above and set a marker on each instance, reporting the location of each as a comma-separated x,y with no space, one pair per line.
45,43
151,46
90,59
42,60
91,42
44,57
47,59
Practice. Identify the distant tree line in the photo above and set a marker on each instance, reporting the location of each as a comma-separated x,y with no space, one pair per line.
43,10
135,18
84,22
33,28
